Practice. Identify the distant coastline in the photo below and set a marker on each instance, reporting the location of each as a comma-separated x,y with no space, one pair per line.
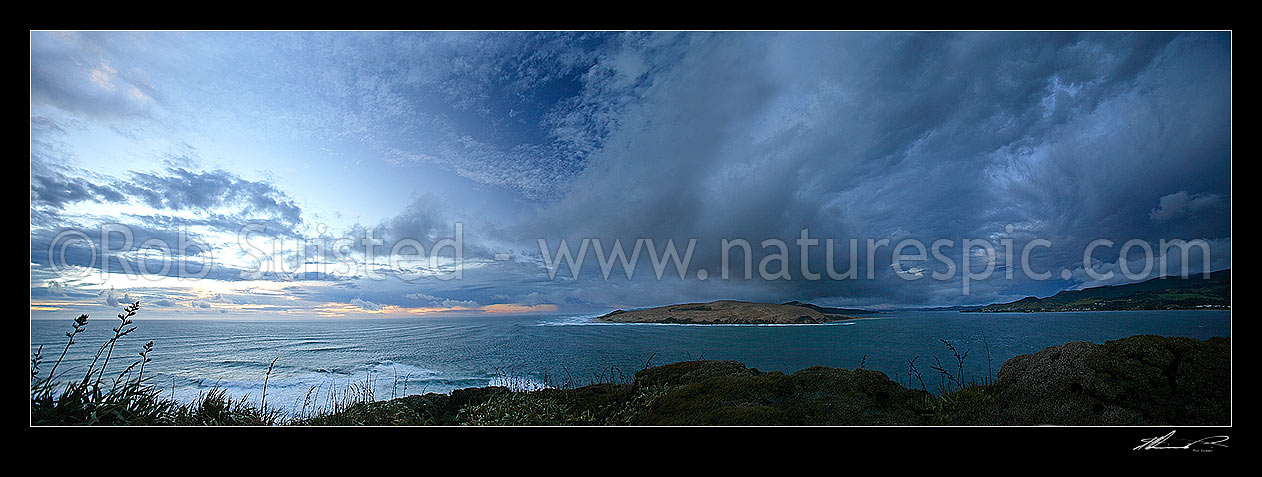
1165,293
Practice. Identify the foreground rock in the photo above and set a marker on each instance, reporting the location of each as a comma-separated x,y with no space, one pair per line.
727,312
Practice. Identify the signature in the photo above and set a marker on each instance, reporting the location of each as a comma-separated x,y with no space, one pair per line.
1204,444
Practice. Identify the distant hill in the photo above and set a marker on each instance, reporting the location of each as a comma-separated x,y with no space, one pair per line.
1166,293
828,310
726,312
936,308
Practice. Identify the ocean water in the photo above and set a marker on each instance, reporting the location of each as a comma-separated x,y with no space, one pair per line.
398,357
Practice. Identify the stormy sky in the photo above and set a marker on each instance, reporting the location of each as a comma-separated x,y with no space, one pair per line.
152,152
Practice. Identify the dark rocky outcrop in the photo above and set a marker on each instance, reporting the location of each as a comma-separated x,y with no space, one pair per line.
727,393
1140,380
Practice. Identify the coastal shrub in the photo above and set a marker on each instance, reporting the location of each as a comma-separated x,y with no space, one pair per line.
394,412
960,406
216,408
629,411
522,409
1139,380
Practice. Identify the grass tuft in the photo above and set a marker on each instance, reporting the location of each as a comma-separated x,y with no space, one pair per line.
127,397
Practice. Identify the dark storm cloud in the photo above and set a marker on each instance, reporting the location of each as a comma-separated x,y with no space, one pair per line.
1069,137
